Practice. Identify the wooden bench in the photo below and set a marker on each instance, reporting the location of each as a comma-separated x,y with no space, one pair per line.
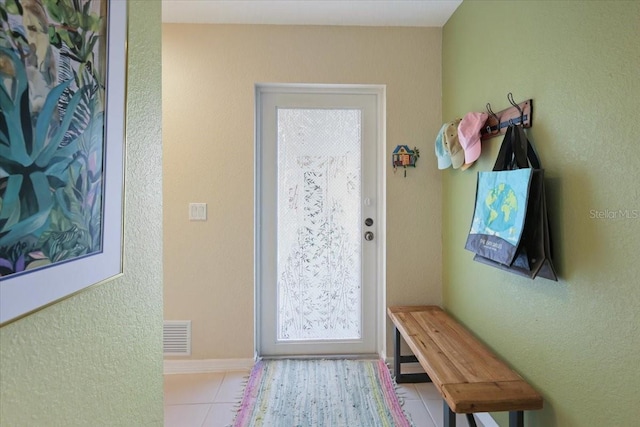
467,374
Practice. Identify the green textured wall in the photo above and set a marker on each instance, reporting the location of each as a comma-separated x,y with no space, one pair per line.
577,341
96,359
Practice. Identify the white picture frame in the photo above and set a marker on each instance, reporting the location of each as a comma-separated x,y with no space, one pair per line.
33,289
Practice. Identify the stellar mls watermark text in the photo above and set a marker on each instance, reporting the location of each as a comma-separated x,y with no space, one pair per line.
614,214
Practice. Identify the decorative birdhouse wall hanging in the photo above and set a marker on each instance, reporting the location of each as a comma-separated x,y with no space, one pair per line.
404,157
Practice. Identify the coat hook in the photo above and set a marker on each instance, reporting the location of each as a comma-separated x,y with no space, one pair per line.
512,102
492,114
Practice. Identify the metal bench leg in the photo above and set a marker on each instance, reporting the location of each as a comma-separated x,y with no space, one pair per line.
398,360
449,416
471,420
516,419
396,354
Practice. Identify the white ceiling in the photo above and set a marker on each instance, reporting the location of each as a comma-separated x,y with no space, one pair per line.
407,13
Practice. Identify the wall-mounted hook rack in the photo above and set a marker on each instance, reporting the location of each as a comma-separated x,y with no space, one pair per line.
497,123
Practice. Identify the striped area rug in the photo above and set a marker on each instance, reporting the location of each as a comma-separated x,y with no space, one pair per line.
320,393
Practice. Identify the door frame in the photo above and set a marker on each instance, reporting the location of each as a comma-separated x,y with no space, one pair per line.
379,91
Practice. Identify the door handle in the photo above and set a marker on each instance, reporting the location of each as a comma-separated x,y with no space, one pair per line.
368,236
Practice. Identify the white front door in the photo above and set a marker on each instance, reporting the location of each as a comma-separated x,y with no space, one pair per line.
319,219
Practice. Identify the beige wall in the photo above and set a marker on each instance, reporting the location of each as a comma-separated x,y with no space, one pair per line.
96,359
209,72
577,340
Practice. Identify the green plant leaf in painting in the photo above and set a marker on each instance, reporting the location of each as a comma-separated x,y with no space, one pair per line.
74,19
57,10
77,30
31,160
73,40
61,245
72,14
69,204
89,22
13,7
64,239
44,125
52,145
54,37
11,201
14,228
10,104
92,206
11,34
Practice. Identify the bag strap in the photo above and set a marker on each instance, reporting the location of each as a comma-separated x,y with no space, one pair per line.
519,142
524,152
505,155
516,151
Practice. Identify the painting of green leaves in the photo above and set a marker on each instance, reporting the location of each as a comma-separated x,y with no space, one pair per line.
52,133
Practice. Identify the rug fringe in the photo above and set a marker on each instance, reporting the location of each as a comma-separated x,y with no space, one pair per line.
400,393
238,403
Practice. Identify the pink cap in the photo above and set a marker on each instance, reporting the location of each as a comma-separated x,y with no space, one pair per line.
469,135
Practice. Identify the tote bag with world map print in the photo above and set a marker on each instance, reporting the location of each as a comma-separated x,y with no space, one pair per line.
499,214
495,213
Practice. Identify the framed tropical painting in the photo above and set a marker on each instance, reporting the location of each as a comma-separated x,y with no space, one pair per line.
62,115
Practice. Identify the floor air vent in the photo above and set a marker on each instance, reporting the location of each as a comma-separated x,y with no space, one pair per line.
176,338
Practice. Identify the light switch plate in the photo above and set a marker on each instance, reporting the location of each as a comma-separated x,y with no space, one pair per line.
197,211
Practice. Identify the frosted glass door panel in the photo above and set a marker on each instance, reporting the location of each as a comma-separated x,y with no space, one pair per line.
318,286
319,224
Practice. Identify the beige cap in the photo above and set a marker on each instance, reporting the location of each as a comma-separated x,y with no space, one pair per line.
452,144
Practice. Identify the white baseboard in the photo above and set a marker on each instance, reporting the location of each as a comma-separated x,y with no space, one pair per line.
206,365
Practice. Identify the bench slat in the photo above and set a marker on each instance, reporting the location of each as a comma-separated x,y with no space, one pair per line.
491,397
476,362
469,376
439,368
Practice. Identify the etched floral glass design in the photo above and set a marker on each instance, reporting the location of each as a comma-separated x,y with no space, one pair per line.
318,238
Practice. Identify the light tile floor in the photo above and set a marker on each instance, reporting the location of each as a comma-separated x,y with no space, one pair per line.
202,400
210,400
